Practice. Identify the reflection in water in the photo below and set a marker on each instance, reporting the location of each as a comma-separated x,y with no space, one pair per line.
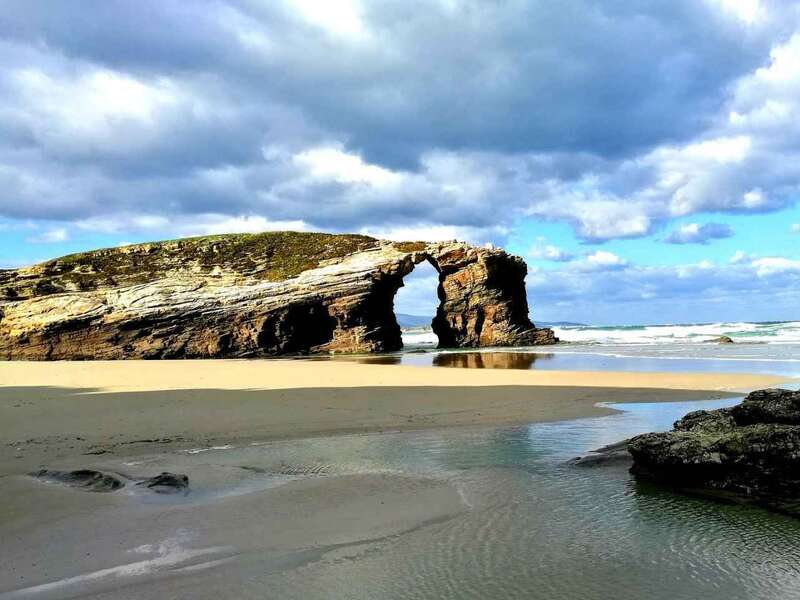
572,360
379,359
465,360
537,528
488,360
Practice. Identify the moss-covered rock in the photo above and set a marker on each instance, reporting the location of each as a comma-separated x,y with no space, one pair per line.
750,451
269,256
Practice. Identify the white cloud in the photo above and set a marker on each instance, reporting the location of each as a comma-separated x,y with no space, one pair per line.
549,252
738,257
602,259
766,266
52,236
203,224
721,150
95,106
748,11
331,163
772,265
795,228
430,233
340,18
595,216
216,224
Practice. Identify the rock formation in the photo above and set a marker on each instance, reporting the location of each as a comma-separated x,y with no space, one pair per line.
749,451
89,480
166,483
256,295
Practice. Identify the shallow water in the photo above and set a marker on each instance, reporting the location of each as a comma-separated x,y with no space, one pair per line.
535,527
768,360
768,348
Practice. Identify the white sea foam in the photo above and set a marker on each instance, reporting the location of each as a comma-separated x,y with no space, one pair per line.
769,333
419,337
742,332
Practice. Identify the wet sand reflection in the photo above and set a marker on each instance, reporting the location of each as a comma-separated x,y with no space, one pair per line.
460,360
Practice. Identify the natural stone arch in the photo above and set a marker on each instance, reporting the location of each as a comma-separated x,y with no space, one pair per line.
207,298
417,259
482,298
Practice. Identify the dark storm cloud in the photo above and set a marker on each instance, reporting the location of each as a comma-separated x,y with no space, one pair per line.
607,78
459,114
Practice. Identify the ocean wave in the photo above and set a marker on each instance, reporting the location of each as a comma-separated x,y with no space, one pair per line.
786,332
745,332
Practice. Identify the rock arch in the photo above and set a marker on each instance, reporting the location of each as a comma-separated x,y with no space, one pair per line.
197,300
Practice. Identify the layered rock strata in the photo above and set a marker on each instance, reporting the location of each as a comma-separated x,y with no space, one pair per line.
256,295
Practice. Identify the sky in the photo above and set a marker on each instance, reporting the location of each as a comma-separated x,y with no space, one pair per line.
642,156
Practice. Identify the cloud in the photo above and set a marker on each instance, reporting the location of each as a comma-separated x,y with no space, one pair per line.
749,11
693,233
221,114
334,164
772,265
544,251
764,288
602,260
738,257
52,236
431,233
795,228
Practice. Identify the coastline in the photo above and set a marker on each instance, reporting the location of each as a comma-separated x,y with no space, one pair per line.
83,410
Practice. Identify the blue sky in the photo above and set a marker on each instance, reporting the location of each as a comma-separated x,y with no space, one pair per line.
644,158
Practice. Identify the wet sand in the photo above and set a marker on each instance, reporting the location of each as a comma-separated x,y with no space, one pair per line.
136,419
55,410
61,543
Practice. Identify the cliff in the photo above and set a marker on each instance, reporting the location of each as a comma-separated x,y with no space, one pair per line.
255,295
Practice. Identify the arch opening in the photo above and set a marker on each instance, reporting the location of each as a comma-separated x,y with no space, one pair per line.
415,306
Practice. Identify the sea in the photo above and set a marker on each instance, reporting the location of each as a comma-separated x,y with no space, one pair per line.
767,347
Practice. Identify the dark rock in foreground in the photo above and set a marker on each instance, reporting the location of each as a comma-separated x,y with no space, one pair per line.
167,483
613,454
750,451
235,296
84,479
96,481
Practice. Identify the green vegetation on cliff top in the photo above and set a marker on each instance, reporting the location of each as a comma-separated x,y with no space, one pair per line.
269,256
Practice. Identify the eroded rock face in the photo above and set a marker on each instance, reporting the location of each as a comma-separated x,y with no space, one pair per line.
244,296
483,299
751,450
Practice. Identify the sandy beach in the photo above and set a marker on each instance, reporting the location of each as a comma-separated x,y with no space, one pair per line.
261,513
60,409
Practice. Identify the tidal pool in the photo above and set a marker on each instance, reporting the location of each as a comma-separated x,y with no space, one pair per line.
534,527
